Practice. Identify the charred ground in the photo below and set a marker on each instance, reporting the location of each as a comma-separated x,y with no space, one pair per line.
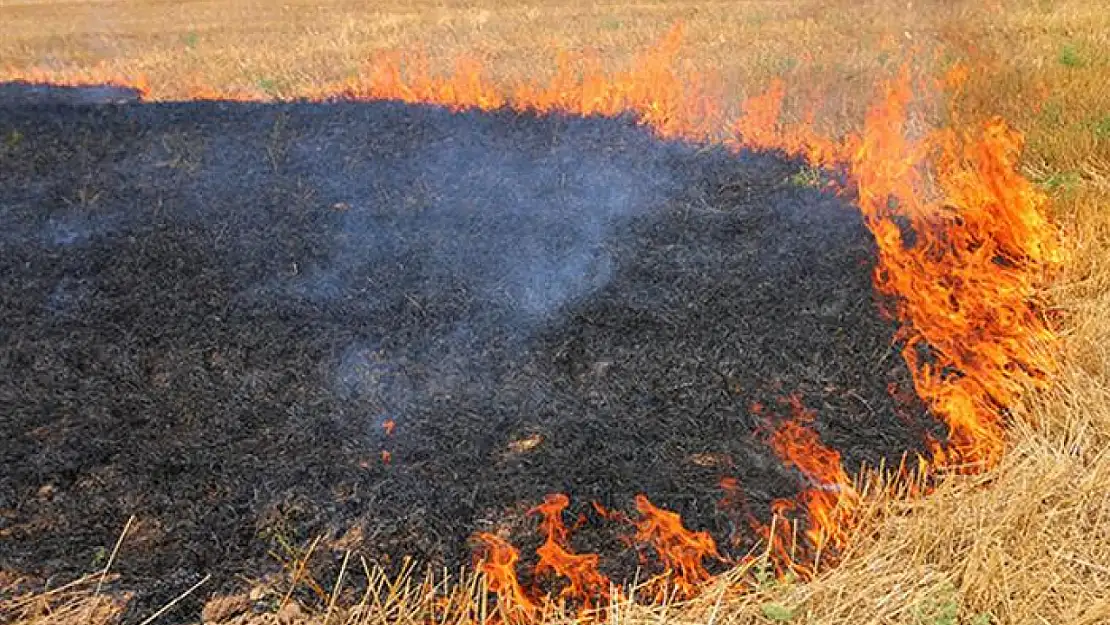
212,310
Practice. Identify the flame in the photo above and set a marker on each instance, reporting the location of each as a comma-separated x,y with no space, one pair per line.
586,584
496,560
99,75
680,550
392,76
830,500
781,538
760,127
966,283
675,104
734,504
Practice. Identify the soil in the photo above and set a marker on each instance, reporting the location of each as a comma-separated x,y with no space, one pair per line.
218,316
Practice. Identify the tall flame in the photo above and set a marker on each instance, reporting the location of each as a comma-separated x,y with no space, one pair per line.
965,282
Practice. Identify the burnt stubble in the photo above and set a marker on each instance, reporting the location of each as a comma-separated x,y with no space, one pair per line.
217,316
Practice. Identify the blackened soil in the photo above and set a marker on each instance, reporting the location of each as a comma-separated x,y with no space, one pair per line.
213,312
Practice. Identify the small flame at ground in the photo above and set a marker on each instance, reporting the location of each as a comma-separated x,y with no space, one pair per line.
586,584
830,499
496,560
681,551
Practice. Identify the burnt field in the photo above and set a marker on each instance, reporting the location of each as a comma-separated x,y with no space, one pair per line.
218,316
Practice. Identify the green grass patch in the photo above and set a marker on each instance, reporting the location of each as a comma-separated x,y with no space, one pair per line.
1070,56
1101,127
1060,182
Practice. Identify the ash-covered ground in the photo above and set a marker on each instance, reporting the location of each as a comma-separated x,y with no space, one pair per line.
213,312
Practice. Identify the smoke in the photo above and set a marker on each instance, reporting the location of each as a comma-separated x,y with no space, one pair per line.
366,221
488,227
528,230
78,229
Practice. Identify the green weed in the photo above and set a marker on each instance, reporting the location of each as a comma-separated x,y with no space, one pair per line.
809,176
13,139
1063,181
612,24
1102,128
268,85
777,612
945,610
1070,56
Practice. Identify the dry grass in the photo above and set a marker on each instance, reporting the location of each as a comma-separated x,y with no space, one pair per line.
1027,543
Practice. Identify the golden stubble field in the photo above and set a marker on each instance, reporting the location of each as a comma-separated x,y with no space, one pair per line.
1027,542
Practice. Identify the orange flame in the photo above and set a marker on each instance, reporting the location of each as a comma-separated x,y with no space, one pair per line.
586,583
831,499
680,550
675,104
965,284
97,75
781,539
497,562
760,127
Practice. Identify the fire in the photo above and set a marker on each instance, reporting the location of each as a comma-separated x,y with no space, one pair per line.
963,249
781,538
409,79
759,127
830,499
681,551
675,104
966,283
99,75
586,584
496,560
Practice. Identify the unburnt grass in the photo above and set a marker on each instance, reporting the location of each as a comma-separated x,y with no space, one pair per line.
394,326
